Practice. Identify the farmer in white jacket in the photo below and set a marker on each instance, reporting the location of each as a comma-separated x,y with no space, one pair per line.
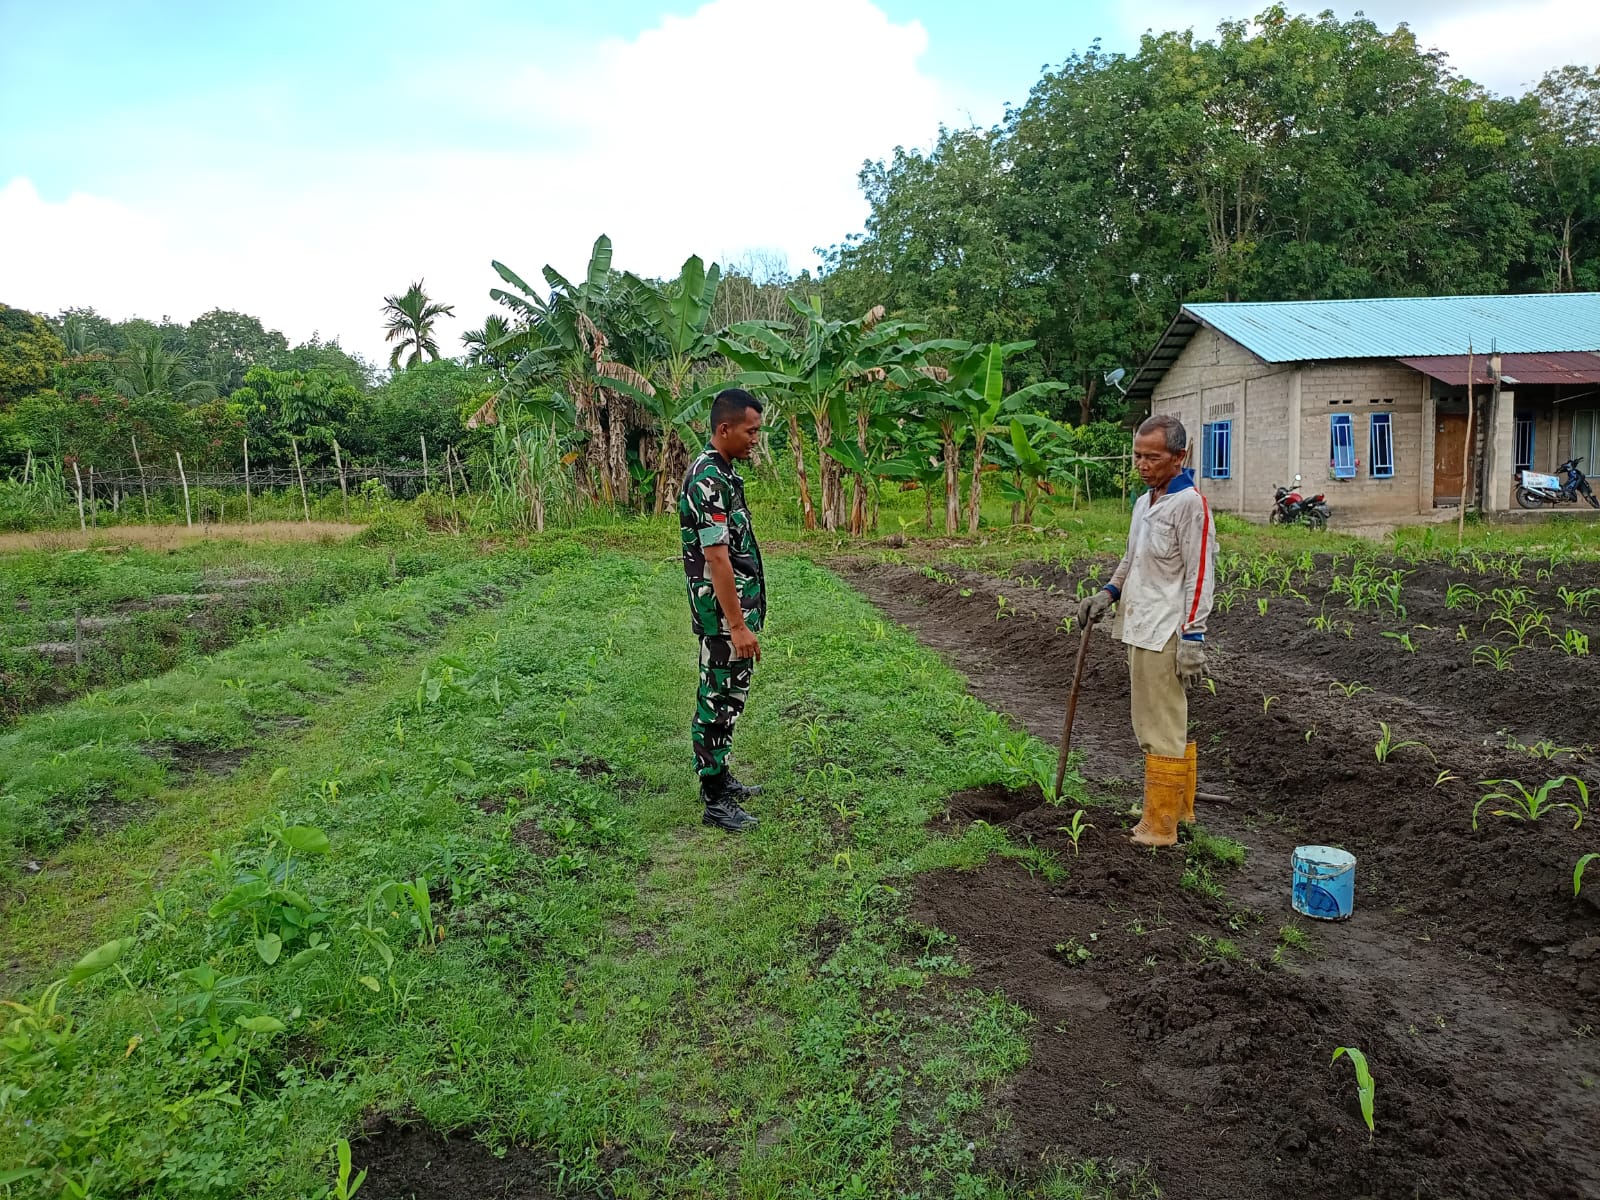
1162,590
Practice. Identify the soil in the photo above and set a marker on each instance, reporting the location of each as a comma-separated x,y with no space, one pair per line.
1174,1025
414,1162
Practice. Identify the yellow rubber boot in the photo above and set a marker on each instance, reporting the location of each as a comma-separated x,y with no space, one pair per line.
1166,784
1187,815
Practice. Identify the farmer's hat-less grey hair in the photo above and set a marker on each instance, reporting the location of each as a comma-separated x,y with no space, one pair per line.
1177,436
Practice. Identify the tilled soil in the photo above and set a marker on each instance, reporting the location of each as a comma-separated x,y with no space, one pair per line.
1173,1025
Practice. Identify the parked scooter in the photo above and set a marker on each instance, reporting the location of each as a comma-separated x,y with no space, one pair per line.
1290,506
1535,490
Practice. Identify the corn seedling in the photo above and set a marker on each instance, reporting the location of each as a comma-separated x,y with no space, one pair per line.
1574,643
344,1187
1261,606
1577,872
1266,702
1366,1089
1525,805
1445,776
1522,626
1544,748
1322,623
1386,745
1404,639
1348,690
1460,595
1001,611
1076,830
1493,656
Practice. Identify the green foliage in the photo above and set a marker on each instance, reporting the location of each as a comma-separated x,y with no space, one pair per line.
409,319
1529,805
1366,1089
28,353
1128,183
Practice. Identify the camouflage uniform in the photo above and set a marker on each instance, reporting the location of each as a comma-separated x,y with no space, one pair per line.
712,512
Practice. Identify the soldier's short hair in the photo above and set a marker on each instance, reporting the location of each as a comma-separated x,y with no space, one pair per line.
730,405
1165,423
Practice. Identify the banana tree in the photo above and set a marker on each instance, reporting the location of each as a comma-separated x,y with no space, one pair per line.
768,360
932,396
983,398
558,340
679,314
1041,456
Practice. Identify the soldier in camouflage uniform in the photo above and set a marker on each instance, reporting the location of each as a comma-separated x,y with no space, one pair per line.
727,600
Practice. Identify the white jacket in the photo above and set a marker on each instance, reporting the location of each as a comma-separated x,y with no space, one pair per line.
1163,583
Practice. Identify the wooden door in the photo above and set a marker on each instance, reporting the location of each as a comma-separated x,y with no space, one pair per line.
1449,441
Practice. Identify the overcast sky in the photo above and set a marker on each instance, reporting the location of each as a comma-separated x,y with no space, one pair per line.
299,160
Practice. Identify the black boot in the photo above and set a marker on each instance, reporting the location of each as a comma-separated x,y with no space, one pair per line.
722,805
741,791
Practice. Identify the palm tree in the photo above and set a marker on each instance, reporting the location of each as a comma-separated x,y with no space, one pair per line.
410,325
482,344
148,368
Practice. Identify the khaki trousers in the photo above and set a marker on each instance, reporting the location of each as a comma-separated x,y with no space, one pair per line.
1160,705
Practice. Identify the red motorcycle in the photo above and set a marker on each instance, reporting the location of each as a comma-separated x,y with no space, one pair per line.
1290,507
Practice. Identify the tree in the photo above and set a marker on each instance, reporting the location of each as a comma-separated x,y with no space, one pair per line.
410,319
1566,161
388,423
482,344
148,368
224,345
313,407
680,312
316,354
559,341
28,352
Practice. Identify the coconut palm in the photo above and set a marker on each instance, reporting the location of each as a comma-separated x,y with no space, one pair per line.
147,368
410,325
481,343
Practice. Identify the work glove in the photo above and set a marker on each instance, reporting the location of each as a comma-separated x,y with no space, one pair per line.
1093,608
1191,662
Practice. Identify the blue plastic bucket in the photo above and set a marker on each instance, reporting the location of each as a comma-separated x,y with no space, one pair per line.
1324,882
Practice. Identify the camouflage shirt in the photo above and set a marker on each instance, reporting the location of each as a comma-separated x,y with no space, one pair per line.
712,512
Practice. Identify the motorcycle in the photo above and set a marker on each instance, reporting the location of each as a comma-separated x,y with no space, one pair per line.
1536,490
1290,506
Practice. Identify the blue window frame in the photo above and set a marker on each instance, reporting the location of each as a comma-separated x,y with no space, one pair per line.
1342,446
1216,440
1524,429
1380,453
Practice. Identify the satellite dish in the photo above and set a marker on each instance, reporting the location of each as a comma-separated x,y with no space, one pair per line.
1115,377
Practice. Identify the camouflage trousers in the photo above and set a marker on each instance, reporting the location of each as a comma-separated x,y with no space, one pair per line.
724,685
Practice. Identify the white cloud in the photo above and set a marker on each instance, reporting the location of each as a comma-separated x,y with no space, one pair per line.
1505,46
741,126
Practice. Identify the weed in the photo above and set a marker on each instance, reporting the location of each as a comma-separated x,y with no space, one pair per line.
1528,805
1366,1089
1073,952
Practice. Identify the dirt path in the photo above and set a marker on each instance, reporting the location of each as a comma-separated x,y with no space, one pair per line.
1173,1028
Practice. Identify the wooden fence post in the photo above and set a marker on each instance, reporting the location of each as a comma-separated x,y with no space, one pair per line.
188,518
305,506
344,492
1466,455
455,515
27,468
461,470
77,475
144,490
249,509
424,462
77,636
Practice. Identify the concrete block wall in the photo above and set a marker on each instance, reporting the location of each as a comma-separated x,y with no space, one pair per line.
1359,389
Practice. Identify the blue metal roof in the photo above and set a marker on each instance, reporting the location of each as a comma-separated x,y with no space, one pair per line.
1408,326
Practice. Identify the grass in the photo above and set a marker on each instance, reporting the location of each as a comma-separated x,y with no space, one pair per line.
88,763
240,589
646,1003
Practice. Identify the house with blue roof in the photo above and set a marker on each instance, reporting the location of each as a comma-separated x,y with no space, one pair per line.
1367,400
